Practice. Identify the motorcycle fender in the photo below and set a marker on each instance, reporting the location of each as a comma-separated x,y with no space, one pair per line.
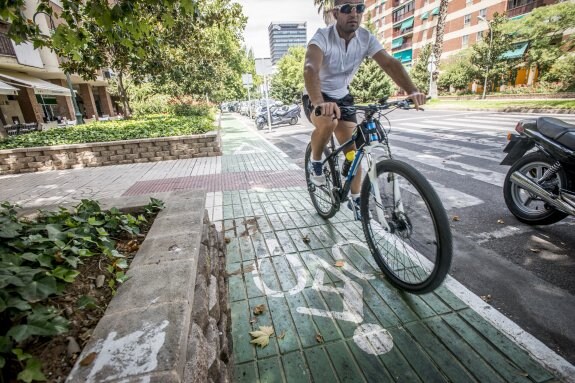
516,148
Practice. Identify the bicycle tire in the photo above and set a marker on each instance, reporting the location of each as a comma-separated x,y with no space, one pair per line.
398,262
326,204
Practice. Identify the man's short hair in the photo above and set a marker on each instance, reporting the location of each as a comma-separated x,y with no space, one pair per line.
339,2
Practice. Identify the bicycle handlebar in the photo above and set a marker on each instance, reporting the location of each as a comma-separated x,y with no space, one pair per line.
374,107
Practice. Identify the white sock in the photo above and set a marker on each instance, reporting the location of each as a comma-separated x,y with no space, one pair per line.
355,196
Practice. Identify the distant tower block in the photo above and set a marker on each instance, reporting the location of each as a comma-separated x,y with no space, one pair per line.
286,35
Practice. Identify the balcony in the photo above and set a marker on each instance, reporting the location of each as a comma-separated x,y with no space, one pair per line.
403,46
6,47
525,8
403,16
399,32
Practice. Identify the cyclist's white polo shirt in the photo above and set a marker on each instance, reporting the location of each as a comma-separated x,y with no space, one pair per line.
340,65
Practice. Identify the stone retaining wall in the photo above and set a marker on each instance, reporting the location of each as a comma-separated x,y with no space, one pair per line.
28,160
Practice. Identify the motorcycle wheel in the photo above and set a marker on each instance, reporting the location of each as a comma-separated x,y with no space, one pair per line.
260,125
526,207
293,121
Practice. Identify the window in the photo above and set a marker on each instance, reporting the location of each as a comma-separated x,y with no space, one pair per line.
468,3
467,20
465,40
479,36
483,12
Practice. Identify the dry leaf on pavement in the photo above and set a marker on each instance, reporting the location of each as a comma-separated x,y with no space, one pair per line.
340,264
500,221
486,298
319,338
259,309
88,359
282,335
535,250
262,336
227,240
305,238
456,218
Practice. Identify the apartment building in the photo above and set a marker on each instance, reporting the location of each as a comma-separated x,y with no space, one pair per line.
285,35
406,26
33,87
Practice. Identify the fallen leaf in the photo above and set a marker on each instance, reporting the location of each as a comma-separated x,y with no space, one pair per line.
305,238
486,298
282,335
500,221
253,320
340,264
88,359
262,336
259,309
535,250
227,240
456,218
319,338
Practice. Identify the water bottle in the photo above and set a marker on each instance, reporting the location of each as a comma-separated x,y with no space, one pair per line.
349,157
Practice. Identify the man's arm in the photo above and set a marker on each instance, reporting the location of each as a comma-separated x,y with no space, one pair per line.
312,66
397,72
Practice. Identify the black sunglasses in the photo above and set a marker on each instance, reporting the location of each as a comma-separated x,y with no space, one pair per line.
347,8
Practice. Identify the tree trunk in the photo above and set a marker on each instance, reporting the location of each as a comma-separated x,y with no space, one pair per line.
438,46
123,95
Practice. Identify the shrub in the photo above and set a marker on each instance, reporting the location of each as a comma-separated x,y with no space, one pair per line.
563,71
149,127
157,104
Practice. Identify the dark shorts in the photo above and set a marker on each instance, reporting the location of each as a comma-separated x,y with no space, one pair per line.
345,101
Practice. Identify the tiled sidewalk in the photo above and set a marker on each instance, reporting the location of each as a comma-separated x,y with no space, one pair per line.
341,324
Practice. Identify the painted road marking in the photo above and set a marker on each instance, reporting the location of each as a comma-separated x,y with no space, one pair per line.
248,149
507,231
425,130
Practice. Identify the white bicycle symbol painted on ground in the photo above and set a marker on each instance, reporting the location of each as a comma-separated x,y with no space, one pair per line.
369,337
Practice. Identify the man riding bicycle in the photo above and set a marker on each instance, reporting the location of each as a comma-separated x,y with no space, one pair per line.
334,55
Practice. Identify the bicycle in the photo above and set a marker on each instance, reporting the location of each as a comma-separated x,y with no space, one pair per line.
411,242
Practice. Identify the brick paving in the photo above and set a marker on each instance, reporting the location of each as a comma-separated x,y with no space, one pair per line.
336,324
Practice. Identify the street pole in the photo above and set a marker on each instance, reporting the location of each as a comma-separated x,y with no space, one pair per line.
79,118
488,58
249,103
268,103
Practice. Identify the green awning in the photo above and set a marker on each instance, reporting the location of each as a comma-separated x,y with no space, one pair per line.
518,17
406,24
435,12
397,43
404,56
425,15
517,51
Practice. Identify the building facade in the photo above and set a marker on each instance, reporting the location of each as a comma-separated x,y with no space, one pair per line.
33,87
406,26
285,35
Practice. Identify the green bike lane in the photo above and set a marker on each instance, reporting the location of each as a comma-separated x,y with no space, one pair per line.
345,323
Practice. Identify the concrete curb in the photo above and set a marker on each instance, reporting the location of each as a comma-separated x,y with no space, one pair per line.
504,110
143,335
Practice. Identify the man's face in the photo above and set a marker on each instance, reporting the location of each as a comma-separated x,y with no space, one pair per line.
348,22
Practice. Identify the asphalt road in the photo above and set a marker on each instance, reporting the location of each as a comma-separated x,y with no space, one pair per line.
527,273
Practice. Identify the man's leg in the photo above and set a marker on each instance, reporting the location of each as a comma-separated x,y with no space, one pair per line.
343,133
324,127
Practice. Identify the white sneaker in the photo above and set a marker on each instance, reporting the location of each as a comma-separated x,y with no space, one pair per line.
317,177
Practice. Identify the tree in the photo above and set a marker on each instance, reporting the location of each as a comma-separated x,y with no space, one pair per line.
438,45
370,83
324,7
562,71
545,28
490,54
288,83
419,73
457,72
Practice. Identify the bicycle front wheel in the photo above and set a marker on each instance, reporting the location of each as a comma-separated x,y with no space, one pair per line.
323,198
406,227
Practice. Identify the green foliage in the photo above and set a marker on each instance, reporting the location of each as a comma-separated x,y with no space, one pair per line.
370,83
563,71
39,258
544,28
458,72
488,54
419,73
287,84
146,127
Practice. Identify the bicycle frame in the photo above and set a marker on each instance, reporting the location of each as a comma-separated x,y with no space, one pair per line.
365,151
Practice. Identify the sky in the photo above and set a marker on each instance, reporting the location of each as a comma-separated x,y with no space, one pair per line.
261,13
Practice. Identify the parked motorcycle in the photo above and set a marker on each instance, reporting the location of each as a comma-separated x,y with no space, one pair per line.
540,186
285,115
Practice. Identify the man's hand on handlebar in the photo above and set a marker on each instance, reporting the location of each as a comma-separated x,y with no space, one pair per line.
418,99
328,109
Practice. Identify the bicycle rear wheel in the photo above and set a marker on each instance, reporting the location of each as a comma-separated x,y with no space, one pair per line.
323,198
415,252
